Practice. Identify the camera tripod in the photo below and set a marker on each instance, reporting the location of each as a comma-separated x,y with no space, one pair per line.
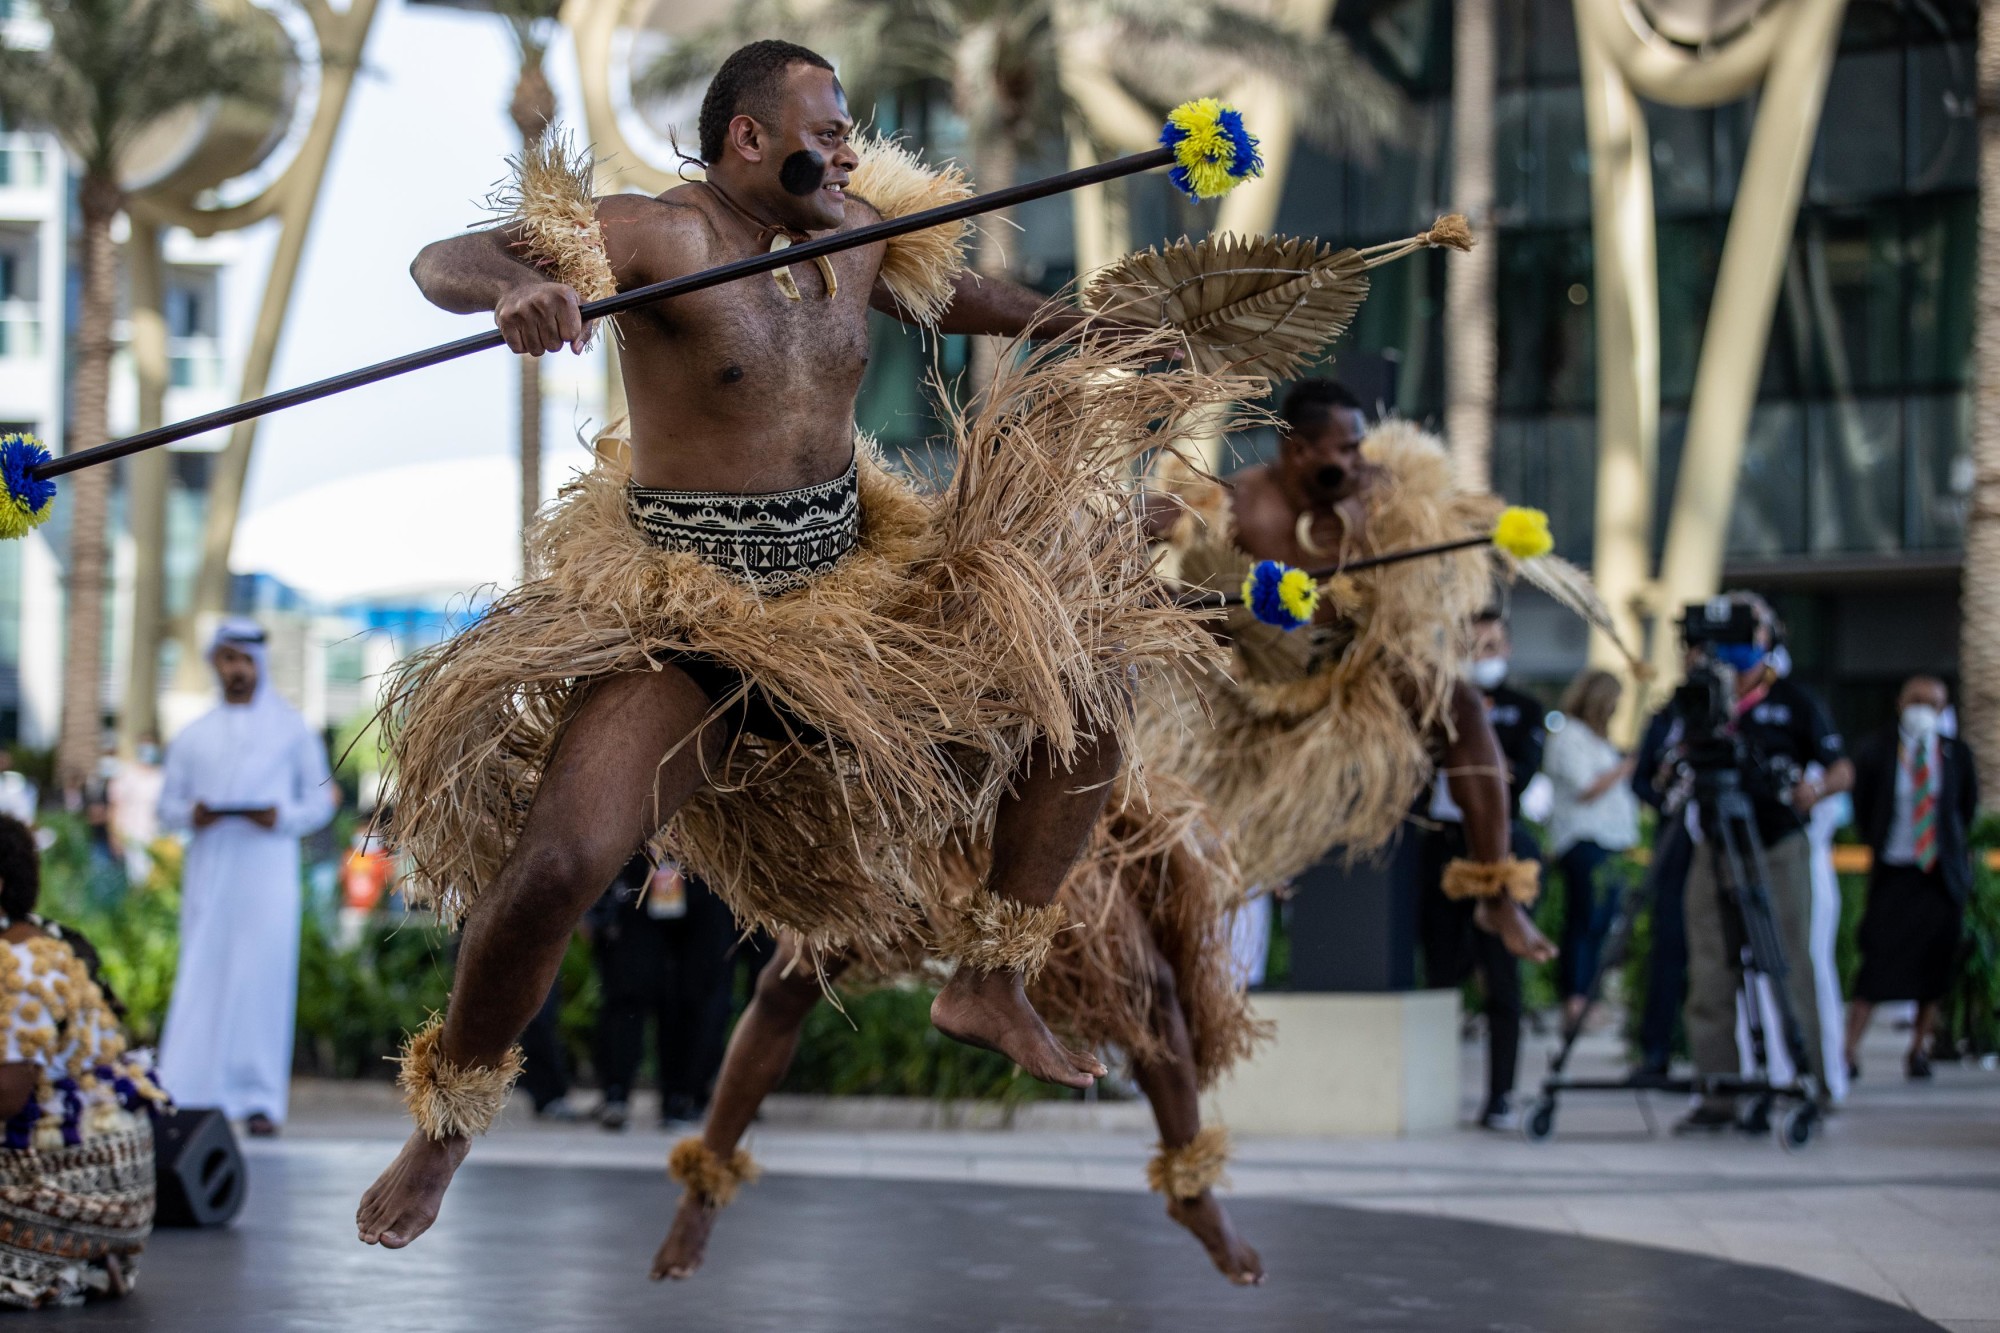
1728,826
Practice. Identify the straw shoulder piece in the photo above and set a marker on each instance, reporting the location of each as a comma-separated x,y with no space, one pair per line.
920,269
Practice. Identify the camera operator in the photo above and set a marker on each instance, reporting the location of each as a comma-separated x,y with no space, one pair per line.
1782,729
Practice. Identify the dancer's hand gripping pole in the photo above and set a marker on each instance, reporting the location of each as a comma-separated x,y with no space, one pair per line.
1204,142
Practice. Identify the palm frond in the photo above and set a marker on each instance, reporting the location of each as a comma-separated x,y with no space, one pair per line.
110,68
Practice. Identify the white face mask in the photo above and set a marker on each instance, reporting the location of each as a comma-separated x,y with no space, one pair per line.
1488,672
1920,720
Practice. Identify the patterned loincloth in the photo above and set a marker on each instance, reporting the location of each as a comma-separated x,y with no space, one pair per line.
776,541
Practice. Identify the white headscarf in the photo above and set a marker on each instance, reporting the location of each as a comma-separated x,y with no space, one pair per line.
247,637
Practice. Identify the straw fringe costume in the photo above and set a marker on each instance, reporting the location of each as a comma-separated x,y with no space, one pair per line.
913,671
1317,737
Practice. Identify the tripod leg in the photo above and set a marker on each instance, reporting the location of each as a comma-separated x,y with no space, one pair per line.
1778,950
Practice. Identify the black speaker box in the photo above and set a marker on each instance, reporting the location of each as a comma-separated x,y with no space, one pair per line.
199,1168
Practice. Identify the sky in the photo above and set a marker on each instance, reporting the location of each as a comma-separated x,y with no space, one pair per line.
409,481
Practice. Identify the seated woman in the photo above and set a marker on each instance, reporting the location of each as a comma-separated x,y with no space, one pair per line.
76,1166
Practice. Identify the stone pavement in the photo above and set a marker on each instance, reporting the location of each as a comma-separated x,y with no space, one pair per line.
1900,1200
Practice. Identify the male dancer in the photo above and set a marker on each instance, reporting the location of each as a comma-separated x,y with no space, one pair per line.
1324,736
759,640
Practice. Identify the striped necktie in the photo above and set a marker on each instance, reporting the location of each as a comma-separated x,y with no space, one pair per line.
1923,807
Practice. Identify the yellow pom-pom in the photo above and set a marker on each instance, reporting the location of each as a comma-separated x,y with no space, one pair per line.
1299,593
1523,533
1213,149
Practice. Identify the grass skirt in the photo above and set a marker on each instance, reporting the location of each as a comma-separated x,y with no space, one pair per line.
1014,603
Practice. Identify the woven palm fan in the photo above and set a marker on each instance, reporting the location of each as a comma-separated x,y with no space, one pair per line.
1254,305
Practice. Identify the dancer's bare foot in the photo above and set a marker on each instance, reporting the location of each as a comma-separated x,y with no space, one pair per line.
991,1009
1510,921
1206,1218
681,1253
403,1202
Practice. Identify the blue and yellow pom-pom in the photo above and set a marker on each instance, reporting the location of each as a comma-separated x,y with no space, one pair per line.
1523,533
1212,147
1281,595
25,499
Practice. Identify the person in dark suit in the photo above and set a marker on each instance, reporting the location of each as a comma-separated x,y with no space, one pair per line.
1915,794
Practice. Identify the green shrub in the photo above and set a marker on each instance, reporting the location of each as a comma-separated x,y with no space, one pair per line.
885,1045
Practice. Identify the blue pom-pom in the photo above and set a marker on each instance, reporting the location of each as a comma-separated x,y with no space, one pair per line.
25,499
1280,595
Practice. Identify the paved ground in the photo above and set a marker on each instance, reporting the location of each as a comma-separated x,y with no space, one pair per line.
1899,1204
530,1248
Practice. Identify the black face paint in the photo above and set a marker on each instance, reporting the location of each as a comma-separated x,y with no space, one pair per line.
802,172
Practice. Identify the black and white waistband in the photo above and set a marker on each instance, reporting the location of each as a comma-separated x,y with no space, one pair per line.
774,541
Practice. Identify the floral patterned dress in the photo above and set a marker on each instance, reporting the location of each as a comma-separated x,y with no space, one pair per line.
76,1168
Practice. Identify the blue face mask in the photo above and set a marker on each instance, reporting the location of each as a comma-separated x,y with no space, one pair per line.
1741,658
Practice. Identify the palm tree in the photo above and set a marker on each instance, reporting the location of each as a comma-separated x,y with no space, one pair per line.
532,107
106,70
1000,59
1979,647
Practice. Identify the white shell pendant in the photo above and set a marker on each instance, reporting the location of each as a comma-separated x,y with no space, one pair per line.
789,286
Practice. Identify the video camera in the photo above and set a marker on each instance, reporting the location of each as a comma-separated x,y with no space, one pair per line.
1704,702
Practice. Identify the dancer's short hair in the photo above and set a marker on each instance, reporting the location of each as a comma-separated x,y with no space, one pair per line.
1309,402
749,83
20,868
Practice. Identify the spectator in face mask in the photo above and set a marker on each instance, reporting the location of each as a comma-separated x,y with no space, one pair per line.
1915,792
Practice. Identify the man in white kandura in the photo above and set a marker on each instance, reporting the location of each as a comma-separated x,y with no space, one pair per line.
249,779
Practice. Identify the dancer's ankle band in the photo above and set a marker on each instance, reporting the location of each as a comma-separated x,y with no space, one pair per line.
996,934
1195,1166
708,1175
445,1099
1519,880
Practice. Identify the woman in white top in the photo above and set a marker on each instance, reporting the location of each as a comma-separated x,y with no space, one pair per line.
1594,817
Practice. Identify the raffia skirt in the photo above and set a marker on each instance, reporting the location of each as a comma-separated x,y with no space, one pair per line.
1011,605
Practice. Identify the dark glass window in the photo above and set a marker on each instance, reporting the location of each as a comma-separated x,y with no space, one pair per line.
1859,154
1942,252
1683,149
1562,156
1688,252
1944,136
1548,350
1854,475
1398,193
1769,518
1938,444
